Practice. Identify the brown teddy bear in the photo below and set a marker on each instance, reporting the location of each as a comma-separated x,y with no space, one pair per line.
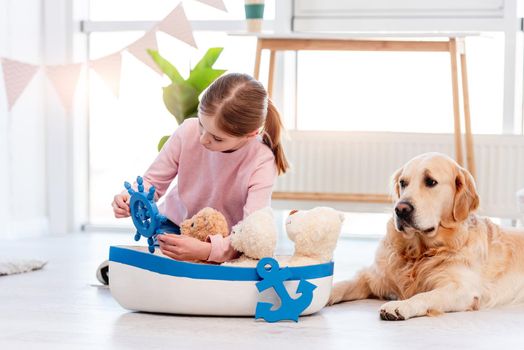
207,221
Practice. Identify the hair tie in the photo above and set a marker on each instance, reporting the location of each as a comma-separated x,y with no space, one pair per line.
265,136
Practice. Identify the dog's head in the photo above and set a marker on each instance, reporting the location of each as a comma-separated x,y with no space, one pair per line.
432,191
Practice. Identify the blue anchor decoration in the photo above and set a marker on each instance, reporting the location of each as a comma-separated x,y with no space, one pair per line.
274,277
144,212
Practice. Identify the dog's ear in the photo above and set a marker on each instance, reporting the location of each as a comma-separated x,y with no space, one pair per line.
395,187
466,196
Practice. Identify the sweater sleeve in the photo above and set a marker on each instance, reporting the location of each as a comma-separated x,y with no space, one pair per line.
165,167
221,249
260,186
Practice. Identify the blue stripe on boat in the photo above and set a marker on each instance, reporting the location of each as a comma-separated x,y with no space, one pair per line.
168,266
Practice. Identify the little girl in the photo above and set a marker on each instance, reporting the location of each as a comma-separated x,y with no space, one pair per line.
227,159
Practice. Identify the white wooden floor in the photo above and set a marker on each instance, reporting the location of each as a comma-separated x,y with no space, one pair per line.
58,308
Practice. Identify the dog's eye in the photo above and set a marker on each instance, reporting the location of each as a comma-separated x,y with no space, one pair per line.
192,224
402,183
430,182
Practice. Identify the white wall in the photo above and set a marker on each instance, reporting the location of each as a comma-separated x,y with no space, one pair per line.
57,49
42,147
22,130
4,179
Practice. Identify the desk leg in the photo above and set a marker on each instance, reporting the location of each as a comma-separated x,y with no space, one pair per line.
456,107
258,57
270,79
470,152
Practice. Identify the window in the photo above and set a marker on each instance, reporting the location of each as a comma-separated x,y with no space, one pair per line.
124,132
398,91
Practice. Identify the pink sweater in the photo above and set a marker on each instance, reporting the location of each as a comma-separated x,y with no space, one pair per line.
236,183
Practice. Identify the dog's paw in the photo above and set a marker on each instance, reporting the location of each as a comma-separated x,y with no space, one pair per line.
337,293
396,311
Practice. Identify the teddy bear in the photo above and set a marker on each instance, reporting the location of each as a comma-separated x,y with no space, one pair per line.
255,237
207,221
315,233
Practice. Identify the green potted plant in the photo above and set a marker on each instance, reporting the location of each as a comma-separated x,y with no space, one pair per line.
181,96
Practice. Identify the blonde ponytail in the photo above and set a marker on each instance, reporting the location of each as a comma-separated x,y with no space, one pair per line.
272,137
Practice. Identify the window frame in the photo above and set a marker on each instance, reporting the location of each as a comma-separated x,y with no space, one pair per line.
86,27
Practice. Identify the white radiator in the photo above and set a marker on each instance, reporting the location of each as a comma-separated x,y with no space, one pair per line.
362,162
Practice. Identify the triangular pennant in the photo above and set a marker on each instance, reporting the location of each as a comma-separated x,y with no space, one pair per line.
177,25
64,79
218,4
109,68
139,50
17,76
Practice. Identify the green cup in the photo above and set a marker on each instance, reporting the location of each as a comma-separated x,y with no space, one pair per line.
254,16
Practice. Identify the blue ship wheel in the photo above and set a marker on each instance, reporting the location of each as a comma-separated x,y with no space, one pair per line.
144,212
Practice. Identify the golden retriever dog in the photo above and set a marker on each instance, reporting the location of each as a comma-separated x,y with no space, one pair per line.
437,255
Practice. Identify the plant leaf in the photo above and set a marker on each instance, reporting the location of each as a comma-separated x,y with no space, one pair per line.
209,58
203,74
181,100
165,66
162,141
202,79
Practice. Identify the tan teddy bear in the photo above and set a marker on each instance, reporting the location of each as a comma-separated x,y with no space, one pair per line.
207,221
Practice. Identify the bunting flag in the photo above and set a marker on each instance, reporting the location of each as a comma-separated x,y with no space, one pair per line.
109,68
64,79
17,76
139,50
218,4
177,25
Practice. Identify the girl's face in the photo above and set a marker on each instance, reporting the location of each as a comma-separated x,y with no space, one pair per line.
216,140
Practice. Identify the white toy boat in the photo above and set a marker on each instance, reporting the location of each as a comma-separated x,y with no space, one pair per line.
142,281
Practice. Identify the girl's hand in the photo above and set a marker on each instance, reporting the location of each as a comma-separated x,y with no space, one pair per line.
182,247
121,205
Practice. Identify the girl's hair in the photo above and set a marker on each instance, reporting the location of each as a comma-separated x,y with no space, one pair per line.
241,105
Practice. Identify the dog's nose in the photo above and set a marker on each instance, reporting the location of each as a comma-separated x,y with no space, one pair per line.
404,210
